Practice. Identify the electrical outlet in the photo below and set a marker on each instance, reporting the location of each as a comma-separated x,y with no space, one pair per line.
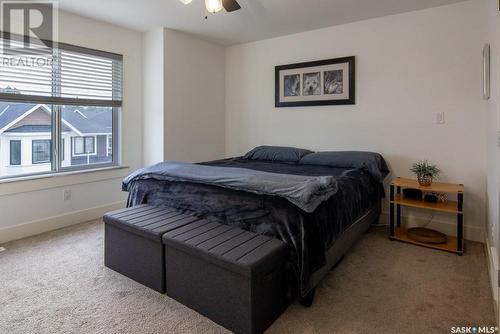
440,118
66,194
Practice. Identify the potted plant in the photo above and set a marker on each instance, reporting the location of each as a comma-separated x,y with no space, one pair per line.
425,172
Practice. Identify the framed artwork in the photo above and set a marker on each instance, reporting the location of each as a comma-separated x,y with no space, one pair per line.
486,72
315,83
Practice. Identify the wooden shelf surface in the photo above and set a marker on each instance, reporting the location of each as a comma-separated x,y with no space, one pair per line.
446,206
450,246
436,186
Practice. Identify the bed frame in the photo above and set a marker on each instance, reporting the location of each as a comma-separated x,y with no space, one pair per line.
341,246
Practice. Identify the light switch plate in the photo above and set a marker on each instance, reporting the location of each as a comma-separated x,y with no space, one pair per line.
440,118
66,194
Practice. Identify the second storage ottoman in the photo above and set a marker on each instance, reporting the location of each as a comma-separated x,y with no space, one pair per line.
234,277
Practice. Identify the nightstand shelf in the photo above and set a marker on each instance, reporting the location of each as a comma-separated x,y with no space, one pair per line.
454,244
449,246
446,206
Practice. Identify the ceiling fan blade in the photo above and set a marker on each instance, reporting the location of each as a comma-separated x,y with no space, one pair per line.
230,5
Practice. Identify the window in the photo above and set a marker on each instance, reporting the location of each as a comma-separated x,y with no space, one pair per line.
66,94
89,145
78,145
41,151
83,145
15,152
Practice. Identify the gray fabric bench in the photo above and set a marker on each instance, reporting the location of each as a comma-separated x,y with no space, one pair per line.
133,242
234,277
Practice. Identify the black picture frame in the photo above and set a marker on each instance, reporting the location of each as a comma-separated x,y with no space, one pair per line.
351,99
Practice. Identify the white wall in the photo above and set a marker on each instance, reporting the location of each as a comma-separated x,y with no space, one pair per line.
153,96
409,67
28,207
493,151
194,98
183,97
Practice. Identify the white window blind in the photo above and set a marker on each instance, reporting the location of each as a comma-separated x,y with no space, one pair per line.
64,74
86,76
25,72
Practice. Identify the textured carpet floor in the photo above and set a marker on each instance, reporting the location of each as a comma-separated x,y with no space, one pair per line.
56,283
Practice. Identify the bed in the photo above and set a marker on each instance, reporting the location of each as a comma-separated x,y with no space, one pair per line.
317,236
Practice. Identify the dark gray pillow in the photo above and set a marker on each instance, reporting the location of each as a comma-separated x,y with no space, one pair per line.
276,153
374,163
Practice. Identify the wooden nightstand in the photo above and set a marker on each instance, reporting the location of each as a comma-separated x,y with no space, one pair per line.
454,244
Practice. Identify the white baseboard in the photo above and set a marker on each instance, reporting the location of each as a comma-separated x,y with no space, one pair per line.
492,260
53,223
473,233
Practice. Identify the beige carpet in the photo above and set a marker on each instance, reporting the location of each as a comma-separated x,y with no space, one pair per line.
56,283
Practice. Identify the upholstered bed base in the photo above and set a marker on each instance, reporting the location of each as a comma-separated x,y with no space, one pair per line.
347,239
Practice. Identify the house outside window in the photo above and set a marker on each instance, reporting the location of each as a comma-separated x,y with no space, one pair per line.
15,152
41,151
76,94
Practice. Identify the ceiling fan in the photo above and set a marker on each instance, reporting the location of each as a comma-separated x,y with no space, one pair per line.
213,6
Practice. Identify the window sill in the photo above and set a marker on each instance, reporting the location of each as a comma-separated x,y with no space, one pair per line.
14,185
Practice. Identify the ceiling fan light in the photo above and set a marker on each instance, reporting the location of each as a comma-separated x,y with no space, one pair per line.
213,6
186,2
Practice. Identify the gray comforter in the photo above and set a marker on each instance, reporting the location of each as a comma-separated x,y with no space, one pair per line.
308,235
306,192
